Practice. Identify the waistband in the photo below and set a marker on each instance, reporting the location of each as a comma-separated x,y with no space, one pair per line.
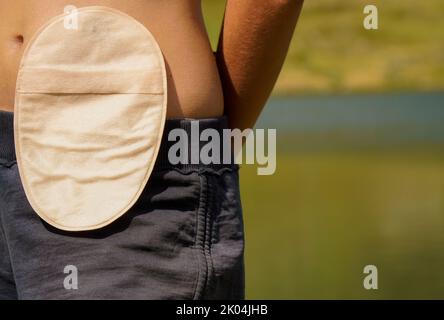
190,128
7,149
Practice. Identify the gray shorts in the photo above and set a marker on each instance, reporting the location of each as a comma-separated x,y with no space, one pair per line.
183,239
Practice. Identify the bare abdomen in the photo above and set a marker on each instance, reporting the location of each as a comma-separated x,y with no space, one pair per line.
194,88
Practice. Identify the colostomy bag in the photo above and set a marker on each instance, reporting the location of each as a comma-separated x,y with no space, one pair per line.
89,115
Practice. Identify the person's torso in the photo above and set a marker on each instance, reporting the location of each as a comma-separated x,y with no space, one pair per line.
194,89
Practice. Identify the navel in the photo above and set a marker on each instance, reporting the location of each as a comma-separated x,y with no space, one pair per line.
18,40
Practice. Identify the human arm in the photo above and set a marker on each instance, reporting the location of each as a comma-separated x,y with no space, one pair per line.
252,48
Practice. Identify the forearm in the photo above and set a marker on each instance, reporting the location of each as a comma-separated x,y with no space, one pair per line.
252,48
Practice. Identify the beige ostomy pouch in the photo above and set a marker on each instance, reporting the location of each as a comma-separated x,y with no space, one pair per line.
89,115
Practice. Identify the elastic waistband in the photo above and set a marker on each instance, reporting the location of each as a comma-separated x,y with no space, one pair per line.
190,143
7,149
187,135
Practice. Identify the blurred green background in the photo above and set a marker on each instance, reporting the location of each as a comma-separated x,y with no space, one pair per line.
332,53
360,164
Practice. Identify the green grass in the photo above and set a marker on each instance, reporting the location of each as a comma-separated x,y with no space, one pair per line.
314,225
332,52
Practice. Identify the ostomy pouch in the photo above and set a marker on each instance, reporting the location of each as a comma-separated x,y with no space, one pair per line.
90,110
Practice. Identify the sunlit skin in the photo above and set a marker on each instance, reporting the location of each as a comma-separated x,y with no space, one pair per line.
253,46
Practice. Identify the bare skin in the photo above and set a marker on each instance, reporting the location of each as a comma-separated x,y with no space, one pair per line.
253,45
252,48
194,88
